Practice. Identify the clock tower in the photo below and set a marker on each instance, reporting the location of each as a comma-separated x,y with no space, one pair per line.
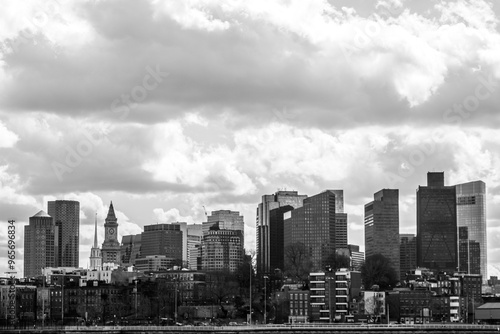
111,246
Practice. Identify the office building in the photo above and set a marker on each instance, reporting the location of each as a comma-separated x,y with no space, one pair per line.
471,212
276,237
222,250
408,254
66,216
382,226
226,219
111,246
469,253
130,249
162,239
314,226
270,202
357,257
40,238
437,225
194,239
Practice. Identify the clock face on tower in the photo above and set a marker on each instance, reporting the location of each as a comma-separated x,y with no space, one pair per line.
111,231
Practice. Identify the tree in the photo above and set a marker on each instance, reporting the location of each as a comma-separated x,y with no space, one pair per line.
377,270
297,261
336,261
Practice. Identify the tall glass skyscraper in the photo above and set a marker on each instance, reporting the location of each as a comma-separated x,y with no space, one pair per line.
66,216
382,226
471,213
437,225
40,238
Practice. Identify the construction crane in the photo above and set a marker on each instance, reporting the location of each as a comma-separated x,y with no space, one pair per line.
205,209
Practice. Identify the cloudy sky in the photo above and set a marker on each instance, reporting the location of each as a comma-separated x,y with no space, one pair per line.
164,107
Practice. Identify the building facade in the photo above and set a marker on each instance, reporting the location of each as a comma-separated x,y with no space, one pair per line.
382,226
469,253
162,239
471,213
226,219
357,257
40,238
130,249
222,250
408,254
270,202
437,225
314,226
276,237
111,246
66,216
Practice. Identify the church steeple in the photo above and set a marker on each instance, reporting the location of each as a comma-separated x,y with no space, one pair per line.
95,252
111,213
95,232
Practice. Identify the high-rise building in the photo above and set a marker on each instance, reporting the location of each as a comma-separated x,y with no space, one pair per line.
382,226
437,225
276,237
469,253
270,202
162,239
222,250
130,249
408,254
314,226
95,252
194,238
40,238
471,212
111,246
226,219
357,257
66,216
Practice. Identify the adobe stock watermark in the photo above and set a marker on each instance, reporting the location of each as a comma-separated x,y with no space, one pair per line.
454,115
121,107
48,11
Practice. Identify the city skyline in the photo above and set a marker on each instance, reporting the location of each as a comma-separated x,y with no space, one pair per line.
171,111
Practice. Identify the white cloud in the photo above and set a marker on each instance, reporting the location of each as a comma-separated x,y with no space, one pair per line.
7,137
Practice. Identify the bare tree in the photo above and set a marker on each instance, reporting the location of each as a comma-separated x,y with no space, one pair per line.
297,261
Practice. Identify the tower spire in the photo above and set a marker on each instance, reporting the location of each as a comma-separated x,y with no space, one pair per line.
95,232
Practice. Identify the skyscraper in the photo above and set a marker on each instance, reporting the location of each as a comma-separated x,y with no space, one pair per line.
408,254
111,246
162,239
382,226
66,216
130,249
437,225
469,253
95,252
40,237
357,257
471,212
276,237
269,202
314,226
227,219
222,250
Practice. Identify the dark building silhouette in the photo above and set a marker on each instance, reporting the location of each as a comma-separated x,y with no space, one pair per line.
130,249
437,224
276,237
66,216
40,237
162,239
314,226
407,254
469,253
382,226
